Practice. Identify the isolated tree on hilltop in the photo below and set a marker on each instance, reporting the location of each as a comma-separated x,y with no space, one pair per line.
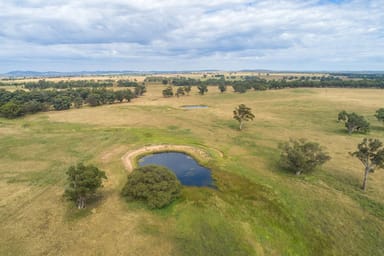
370,152
353,122
83,180
242,113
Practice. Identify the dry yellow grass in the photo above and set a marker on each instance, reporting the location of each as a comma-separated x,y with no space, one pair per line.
35,220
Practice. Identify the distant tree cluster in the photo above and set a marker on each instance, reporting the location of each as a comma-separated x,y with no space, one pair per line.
18,103
127,83
45,84
180,91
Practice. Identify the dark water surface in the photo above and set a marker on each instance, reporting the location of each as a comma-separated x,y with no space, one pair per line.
186,169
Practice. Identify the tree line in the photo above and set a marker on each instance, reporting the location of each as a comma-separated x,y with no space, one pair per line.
18,103
71,84
256,83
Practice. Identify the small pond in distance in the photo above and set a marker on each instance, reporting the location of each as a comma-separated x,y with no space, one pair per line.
186,169
193,106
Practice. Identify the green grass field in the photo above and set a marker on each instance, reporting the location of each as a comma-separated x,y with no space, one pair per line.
258,209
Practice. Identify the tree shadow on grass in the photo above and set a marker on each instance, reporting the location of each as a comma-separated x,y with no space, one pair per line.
73,213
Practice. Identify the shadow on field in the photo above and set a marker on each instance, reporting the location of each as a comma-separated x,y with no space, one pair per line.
73,213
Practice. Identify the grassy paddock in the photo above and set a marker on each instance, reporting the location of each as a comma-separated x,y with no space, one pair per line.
257,209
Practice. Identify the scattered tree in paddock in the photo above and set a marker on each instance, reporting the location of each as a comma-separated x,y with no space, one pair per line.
168,92
187,89
202,89
222,87
140,90
380,115
155,185
371,154
242,113
354,122
180,91
83,180
302,156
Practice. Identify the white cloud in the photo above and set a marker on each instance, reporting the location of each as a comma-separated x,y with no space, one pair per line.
182,34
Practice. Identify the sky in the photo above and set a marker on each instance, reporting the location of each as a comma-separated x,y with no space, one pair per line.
176,35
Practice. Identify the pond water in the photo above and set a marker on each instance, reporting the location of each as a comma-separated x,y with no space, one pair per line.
186,169
194,106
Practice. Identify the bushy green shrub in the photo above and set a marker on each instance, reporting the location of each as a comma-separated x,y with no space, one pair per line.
155,185
302,156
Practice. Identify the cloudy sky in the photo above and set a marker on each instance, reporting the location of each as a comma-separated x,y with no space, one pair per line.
73,35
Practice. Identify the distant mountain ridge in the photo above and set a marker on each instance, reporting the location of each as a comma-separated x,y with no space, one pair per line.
30,74
18,73
22,73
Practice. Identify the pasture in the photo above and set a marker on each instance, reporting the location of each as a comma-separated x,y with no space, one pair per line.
258,209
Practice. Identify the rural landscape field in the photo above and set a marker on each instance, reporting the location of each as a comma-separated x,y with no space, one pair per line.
192,128
257,207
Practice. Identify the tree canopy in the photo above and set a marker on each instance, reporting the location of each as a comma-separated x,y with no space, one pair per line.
154,185
83,180
168,92
243,113
202,89
370,152
353,122
302,156
380,115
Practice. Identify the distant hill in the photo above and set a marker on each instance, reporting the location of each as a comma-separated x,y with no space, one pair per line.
61,74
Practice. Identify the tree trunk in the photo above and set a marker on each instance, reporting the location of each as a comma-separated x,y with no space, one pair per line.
367,169
241,125
81,202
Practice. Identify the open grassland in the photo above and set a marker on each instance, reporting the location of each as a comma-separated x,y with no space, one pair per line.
257,210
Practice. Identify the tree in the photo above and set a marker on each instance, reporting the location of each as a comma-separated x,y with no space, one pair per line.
242,113
222,87
202,88
94,99
119,95
353,122
240,88
155,185
371,154
301,156
33,106
128,95
61,103
139,90
380,115
180,91
187,89
78,102
11,110
168,92
83,180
